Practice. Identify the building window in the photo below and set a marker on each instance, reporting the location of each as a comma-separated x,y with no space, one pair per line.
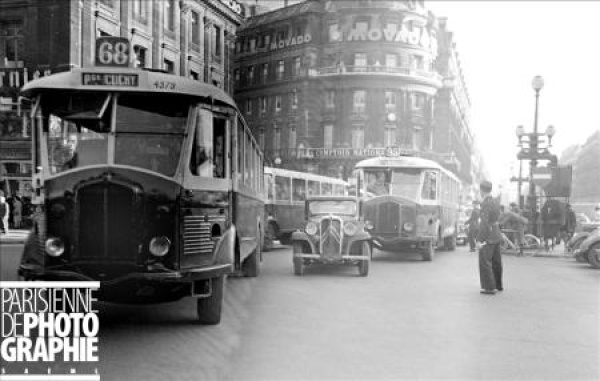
252,45
265,72
358,137
417,137
263,104
140,10
195,26
194,75
328,136
360,62
391,60
335,34
169,14
390,101
236,75
250,75
358,101
249,106
417,101
330,99
417,62
140,56
261,138
217,42
280,69
276,137
277,103
169,66
297,64
294,99
292,137
389,135
431,139
11,43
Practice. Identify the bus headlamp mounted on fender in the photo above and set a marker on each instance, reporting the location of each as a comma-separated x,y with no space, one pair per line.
159,246
55,247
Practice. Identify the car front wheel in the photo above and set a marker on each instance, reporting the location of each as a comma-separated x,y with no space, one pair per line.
363,266
594,256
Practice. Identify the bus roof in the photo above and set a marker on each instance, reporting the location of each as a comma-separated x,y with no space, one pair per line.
402,162
302,175
125,80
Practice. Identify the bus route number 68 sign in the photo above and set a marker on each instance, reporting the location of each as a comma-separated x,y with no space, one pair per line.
113,51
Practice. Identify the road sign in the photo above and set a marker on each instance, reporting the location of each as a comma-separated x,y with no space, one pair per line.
541,176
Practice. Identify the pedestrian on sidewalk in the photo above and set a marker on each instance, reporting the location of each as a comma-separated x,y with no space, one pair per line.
4,212
473,225
17,211
489,239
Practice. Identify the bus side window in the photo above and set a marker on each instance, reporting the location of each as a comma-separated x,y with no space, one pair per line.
201,161
299,189
241,141
219,148
326,189
313,188
282,188
429,191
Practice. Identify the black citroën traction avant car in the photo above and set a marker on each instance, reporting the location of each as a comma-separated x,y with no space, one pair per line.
334,233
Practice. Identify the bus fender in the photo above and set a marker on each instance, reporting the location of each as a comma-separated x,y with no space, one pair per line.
225,250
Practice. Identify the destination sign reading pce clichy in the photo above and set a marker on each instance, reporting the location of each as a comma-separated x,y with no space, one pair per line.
110,79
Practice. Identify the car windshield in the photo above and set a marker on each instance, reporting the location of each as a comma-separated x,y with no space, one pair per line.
347,207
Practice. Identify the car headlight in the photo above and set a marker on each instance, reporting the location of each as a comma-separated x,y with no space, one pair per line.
159,246
311,228
408,226
55,247
350,228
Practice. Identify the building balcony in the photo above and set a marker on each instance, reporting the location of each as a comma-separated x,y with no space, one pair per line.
428,77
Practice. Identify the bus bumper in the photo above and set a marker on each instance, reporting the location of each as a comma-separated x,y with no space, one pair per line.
36,272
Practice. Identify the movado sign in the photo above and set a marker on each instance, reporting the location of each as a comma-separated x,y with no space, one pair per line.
416,36
291,41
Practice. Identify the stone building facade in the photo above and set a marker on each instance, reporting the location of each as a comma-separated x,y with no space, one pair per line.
324,84
192,38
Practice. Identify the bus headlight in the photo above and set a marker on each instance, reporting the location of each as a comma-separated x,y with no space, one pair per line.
350,228
55,247
408,226
159,246
311,228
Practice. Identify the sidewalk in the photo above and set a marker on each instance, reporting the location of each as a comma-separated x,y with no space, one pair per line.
14,236
558,252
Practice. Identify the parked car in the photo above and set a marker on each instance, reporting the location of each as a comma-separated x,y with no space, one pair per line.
334,233
589,249
574,244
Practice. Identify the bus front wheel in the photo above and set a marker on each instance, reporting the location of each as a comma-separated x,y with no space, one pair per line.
209,308
251,265
450,243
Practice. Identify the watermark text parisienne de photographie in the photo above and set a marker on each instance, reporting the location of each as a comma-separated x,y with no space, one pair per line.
48,323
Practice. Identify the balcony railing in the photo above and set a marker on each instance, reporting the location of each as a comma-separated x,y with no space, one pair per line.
377,70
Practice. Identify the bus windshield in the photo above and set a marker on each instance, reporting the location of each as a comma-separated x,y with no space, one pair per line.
150,132
406,182
78,125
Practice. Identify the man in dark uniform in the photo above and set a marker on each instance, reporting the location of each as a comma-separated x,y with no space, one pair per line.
490,236
473,223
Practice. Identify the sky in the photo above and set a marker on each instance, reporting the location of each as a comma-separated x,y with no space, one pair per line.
502,45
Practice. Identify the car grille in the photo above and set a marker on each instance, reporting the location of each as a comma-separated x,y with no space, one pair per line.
331,237
106,217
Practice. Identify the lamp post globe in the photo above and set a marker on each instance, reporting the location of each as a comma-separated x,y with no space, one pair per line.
537,83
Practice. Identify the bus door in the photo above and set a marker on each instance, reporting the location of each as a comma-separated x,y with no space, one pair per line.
205,202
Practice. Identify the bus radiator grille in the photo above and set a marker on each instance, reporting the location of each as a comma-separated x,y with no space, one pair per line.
388,218
197,237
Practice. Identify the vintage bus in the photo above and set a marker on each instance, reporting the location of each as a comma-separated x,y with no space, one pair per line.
286,191
150,183
411,202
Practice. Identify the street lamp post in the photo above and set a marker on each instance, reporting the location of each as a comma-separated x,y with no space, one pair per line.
536,151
